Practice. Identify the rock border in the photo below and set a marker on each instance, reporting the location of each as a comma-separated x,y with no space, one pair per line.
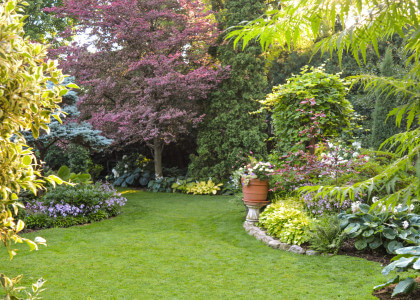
274,243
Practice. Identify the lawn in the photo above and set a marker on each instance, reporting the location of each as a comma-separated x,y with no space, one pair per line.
175,246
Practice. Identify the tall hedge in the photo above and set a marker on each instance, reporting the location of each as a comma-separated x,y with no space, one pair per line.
384,128
229,131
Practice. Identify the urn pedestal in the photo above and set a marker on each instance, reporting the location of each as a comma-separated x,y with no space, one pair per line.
255,197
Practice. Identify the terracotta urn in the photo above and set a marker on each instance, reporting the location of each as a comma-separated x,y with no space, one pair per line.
255,197
255,192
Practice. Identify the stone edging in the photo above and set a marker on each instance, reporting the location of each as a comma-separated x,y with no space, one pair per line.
261,235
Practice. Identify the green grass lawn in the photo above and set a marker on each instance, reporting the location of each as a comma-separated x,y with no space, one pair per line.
175,246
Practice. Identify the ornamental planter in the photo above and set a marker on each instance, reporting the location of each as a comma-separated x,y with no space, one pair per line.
255,192
255,197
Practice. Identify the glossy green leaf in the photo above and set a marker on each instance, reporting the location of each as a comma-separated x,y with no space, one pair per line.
405,286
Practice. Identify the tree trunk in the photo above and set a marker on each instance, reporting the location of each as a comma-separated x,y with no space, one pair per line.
312,144
157,155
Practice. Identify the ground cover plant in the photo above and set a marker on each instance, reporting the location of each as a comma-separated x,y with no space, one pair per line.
166,245
66,206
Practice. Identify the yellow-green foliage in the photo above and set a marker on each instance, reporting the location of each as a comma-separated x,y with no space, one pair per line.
204,188
286,220
25,104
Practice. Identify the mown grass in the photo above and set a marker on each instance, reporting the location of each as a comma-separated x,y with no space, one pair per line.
174,246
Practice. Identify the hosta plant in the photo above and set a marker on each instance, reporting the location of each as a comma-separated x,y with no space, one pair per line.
380,227
181,185
408,258
204,188
286,220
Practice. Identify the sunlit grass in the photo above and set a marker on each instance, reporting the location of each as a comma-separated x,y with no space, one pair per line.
174,246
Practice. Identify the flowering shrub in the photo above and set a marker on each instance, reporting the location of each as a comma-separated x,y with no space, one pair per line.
66,206
318,206
330,164
285,220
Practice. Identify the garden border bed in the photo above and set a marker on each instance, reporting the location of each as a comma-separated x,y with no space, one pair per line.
274,243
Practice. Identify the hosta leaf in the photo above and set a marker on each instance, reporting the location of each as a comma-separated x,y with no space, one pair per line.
393,246
368,233
392,281
364,208
389,233
361,244
64,173
404,262
406,286
352,228
389,268
414,250
375,244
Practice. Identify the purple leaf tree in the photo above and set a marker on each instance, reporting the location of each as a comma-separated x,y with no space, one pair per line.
144,67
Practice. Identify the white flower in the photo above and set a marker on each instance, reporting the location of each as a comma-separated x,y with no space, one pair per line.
405,224
355,154
355,206
126,166
374,199
115,173
357,145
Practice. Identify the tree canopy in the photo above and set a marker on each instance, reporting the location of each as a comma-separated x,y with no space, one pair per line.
144,72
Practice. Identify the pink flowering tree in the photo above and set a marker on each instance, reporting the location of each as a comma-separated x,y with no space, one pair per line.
143,68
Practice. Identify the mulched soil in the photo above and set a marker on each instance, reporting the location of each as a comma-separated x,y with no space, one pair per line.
385,293
378,256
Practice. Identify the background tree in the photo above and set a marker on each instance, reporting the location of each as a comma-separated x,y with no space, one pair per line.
229,131
70,136
40,25
384,127
25,104
146,72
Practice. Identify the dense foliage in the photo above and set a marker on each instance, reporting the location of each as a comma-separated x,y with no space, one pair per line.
42,26
326,235
143,69
26,103
381,227
287,221
67,206
228,130
69,142
289,25
383,126
313,100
